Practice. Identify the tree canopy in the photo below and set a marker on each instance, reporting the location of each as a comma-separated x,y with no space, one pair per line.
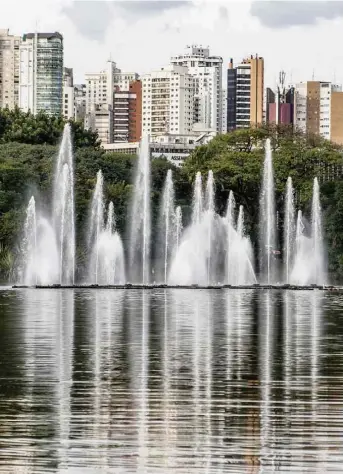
41,129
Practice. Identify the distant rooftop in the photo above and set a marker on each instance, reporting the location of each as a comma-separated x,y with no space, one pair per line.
43,35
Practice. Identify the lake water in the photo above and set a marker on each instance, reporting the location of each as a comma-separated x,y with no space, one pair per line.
170,381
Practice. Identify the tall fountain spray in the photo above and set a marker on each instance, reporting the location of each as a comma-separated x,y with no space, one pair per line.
198,199
317,236
63,216
289,230
178,226
30,244
241,255
231,233
106,266
167,226
139,251
209,217
301,268
110,251
190,262
267,219
96,226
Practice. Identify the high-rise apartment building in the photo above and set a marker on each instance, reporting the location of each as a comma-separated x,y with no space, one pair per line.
41,73
122,80
224,111
68,94
113,91
127,113
245,90
168,104
100,87
9,69
80,102
280,103
100,119
207,73
317,109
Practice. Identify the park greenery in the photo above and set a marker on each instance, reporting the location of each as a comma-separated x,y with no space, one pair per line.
29,144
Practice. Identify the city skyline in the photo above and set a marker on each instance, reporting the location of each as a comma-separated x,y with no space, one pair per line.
94,31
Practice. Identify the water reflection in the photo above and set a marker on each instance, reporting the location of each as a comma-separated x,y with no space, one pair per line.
170,381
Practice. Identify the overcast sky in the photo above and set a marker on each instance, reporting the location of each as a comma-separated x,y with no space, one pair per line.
302,37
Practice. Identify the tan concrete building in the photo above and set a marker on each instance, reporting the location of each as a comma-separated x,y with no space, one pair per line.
9,69
245,93
336,118
318,109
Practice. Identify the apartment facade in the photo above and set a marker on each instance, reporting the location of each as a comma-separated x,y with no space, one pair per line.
167,101
224,111
122,80
41,73
68,93
207,73
127,113
317,108
9,69
100,119
245,93
100,87
80,95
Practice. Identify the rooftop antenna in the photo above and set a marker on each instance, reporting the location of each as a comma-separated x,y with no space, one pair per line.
313,75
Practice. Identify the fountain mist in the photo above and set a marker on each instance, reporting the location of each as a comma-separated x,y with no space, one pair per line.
106,265
178,226
209,217
167,226
267,219
289,229
317,236
63,217
139,252
197,205
30,244
96,226
231,232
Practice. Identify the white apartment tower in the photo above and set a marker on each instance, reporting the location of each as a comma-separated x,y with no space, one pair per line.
167,101
80,94
122,80
41,73
207,73
100,87
68,94
315,105
9,69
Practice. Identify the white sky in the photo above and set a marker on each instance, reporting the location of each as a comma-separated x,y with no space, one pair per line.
303,38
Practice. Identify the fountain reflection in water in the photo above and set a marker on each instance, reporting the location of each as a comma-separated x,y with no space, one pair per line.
211,250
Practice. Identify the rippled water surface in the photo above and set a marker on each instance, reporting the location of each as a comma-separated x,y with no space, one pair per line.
170,381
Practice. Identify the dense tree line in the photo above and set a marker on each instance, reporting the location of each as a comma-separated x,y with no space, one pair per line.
41,129
28,147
